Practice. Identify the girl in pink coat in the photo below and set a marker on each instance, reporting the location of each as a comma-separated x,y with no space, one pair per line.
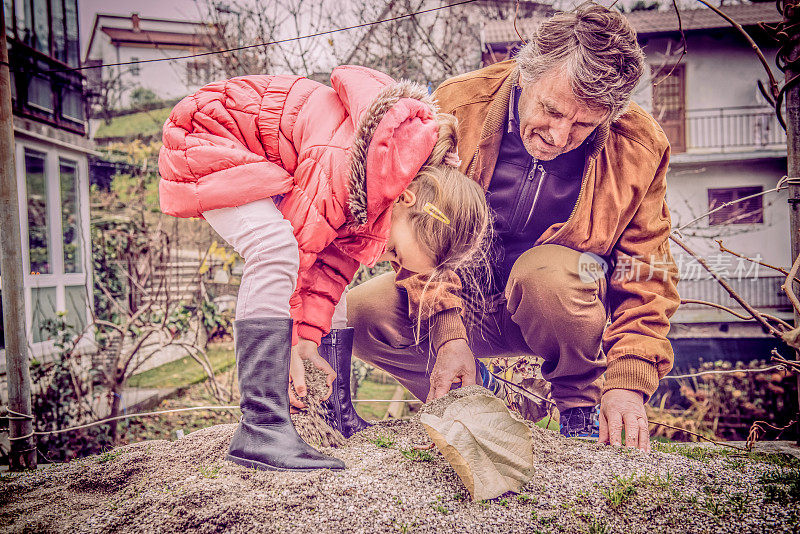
306,182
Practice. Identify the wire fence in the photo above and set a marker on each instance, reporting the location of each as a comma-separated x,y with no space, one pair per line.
12,415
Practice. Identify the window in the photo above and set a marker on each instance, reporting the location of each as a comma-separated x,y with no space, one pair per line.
40,93
669,103
41,26
73,45
24,18
57,278
72,105
59,36
750,211
43,307
70,217
135,70
38,212
8,12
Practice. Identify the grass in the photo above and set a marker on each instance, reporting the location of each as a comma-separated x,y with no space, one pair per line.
657,481
549,423
693,452
417,455
210,472
733,458
598,525
404,528
142,124
186,371
622,490
384,441
779,460
782,486
108,456
440,508
370,389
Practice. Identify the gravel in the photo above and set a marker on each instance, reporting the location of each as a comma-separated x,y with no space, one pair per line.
186,485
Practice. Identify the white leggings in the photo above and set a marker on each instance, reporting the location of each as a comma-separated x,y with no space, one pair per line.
260,234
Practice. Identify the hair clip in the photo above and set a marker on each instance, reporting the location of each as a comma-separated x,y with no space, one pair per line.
452,159
435,212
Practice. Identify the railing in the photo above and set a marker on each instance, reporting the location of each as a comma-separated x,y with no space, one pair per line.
762,292
733,129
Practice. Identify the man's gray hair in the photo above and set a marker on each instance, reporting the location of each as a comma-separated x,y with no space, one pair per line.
598,51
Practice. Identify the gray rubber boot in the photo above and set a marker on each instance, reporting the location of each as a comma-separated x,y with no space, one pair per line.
266,437
337,349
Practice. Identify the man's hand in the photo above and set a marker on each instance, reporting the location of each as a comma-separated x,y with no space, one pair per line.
454,362
624,408
306,350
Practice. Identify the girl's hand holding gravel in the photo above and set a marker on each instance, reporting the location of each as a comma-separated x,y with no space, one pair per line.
306,350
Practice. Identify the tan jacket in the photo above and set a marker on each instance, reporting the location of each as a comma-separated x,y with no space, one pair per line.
621,214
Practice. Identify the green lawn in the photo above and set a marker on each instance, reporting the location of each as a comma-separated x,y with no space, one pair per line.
185,371
370,389
553,423
142,124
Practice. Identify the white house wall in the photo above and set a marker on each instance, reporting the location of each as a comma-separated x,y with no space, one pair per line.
687,196
167,79
721,72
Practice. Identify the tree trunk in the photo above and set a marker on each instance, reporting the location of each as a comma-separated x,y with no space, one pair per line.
116,397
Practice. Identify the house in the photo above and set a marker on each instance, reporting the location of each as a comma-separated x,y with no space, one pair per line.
51,152
726,145
131,38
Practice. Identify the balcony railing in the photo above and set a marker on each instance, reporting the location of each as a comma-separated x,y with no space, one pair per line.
733,129
763,292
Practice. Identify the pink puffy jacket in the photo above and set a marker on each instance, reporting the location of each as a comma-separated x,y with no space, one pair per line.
340,157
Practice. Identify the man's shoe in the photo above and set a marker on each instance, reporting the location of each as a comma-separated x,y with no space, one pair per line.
489,381
266,438
337,349
581,422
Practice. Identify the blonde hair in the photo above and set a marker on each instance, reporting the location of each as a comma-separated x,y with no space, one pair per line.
462,243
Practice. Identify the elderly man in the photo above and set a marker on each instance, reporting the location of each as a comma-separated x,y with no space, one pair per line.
582,274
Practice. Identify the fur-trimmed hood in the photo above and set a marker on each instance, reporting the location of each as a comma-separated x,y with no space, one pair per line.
416,116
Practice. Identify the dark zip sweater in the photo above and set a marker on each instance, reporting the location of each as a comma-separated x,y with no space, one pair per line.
527,195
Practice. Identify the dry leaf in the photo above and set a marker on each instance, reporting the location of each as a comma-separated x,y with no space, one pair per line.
792,338
490,450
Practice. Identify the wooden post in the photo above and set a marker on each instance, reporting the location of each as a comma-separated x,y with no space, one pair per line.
793,143
23,445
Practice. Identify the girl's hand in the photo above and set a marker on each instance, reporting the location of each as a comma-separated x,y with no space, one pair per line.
306,350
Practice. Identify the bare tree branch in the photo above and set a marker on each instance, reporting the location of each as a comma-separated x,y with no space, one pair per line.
738,298
783,183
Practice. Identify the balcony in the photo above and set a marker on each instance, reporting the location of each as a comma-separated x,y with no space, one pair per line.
729,130
763,293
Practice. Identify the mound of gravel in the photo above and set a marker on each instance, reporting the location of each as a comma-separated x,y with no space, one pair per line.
388,486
